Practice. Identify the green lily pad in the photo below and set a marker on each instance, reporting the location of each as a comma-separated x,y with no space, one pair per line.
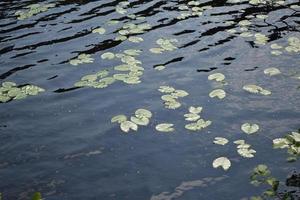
101,31
220,140
172,104
143,121
223,162
157,50
108,56
119,118
217,77
256,89
126,126
191,117
180,93
249,128
166,89
195,110
164,127
143,113
135,39
272,71
219,93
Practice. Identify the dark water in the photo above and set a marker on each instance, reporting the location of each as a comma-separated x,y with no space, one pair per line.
62,143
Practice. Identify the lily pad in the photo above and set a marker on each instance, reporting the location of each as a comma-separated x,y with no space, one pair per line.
219,93
119,118
272,71
249,128
222,162
217,77
126,126
108,55
165,127
195,110
143,113
220,140
256,89
101,31
143,121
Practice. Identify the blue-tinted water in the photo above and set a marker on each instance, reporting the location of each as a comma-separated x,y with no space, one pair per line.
62,143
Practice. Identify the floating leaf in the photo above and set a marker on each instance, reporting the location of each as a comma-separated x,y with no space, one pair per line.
126,126
119,118
220,140
272,71
108,55
222,162
165,127
143,113
256,89
135,39
99,30
160,67
191,117
195,110
249,128
143,121
180,93
166,89
156,50
276,46
219,93
217,77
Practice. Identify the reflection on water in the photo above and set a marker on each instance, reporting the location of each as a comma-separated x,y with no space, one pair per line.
61,142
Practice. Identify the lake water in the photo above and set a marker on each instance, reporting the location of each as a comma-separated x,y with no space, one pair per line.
61,142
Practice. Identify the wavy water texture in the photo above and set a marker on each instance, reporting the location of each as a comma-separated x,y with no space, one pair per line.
61,142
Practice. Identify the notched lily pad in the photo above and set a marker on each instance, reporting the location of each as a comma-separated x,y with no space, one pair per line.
249,128
126,126
164,127
223,162
219,93
219,77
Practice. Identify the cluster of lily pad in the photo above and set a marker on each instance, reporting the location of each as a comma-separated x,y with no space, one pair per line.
131,65
261,175
10,91
97,80
171,96
33,9
291,142
165,45
244,149
129,29
141,117
192,8
259,2
218,93
293,46
260,39
194,117
82,58
256,89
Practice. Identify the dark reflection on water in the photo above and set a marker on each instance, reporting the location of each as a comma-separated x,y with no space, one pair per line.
62,143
